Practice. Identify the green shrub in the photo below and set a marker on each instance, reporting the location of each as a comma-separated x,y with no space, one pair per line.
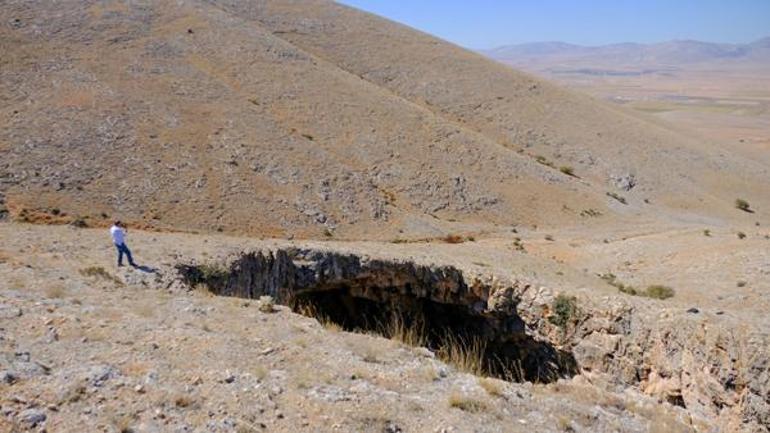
658,291
742,205
741,235
543,160
617,197
569,171
565,310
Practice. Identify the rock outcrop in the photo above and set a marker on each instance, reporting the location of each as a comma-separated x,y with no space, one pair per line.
715,373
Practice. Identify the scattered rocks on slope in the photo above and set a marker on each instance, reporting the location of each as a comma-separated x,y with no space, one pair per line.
626,182
32,417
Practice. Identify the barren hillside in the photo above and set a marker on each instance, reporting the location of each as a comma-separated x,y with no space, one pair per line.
305,118
481,250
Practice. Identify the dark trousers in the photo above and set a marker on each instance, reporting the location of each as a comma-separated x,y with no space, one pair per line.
123,249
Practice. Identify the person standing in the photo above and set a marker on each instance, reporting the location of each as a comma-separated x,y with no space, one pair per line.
118,232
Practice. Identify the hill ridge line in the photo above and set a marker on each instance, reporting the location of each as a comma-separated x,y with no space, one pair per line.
527,157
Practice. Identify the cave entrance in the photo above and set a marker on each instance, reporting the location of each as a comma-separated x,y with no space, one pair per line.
345,290
476,343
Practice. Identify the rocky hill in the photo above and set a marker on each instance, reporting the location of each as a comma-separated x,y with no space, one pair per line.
314,119
448,245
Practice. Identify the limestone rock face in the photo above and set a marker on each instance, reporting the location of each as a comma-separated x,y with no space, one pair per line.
673,356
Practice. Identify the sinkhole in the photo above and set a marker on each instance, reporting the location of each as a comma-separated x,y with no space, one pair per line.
430,306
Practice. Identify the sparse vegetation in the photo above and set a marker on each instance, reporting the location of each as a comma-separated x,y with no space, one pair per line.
741,235
707,233
543,160
454,239
590,213
55,291
549,238
183,401
100,272
565,424
742,205
412,333
266,304
569,171
565,310
658,291
493,387
741,283
654,291
466,402
617,197
465,354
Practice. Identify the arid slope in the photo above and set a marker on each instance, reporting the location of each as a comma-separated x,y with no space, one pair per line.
313,119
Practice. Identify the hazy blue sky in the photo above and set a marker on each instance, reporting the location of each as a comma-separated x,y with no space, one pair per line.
488,23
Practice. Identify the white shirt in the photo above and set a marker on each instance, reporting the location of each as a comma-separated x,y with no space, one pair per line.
118,235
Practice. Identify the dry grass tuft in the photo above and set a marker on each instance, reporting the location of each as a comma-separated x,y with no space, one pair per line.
465,355
309,310
410,333
100,272
466,403
55,291
266,304
565,424
183,401
259,372
122,423
493,387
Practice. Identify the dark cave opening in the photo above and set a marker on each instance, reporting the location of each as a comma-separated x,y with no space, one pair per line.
419,305
498,346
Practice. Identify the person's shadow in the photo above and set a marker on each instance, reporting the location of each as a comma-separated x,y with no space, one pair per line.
146,269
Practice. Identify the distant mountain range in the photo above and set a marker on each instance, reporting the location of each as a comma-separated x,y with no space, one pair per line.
672,53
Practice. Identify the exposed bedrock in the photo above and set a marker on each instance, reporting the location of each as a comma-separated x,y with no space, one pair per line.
361,293
716,369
